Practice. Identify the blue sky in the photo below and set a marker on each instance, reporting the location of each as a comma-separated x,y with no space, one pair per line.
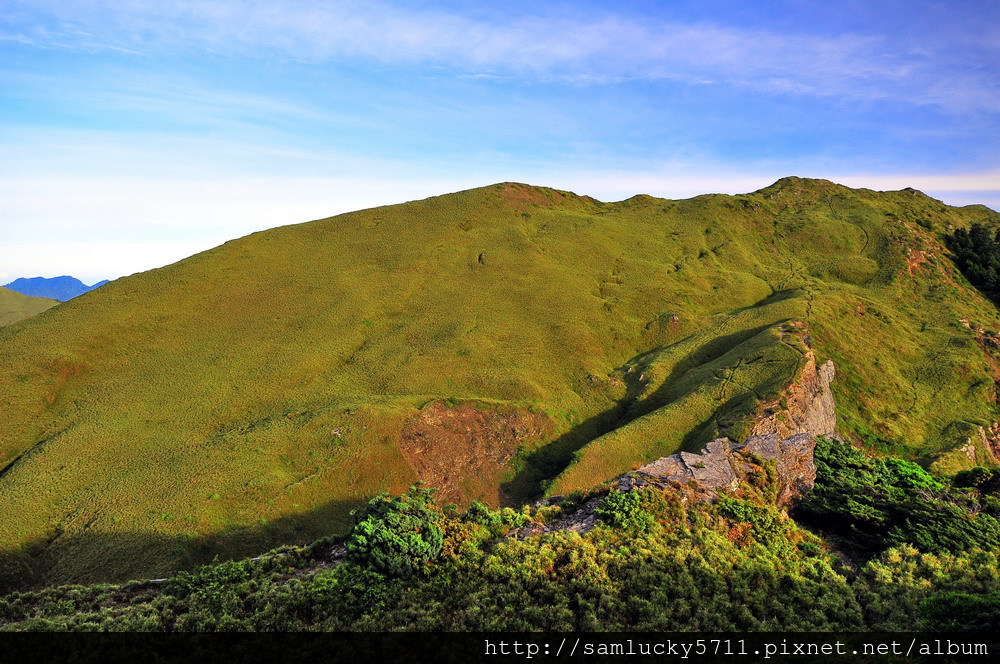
133,134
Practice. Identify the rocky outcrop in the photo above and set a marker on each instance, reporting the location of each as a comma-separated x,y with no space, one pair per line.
779,449
991,441
974,445
778,455
805,406
723,465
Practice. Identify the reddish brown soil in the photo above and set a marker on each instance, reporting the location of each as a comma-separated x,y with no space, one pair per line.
465,450
915,259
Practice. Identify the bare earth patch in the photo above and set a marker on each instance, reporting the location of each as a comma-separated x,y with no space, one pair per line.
466,449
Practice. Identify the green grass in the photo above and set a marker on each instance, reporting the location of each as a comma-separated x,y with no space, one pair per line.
15,306
709,397
211,390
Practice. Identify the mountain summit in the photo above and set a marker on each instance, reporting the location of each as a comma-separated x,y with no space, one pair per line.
499,343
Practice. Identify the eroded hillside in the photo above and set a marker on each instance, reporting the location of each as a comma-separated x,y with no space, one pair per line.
255,393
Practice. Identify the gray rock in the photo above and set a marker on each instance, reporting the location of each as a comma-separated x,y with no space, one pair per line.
722,465
784,436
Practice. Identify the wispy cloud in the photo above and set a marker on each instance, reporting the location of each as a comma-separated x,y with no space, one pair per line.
145,131
173,97
580,49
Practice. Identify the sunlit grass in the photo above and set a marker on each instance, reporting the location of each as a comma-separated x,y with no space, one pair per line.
15,306
204,396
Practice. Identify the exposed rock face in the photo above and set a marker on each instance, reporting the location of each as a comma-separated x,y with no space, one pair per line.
785,435
991,441
982,447
974,446
805,407
723,465
780,451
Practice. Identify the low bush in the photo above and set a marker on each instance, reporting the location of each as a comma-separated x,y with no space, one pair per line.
625,510
397,536
875,503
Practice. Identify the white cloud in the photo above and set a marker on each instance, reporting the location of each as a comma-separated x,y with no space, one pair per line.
90,261
110,226
99,203
585,50
959,182
683,181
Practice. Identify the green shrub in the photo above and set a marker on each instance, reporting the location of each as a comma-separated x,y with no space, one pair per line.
625,510
876,503
210,580
977,254
961,612
479,512
766,525
986,480
908,475
686,572
397,536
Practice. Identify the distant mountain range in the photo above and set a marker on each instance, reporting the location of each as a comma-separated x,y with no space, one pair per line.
58,288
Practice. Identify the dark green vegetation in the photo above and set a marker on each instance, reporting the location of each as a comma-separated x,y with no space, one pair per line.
651,563
15,306
875,503
397,536
255,394
961,612
977,254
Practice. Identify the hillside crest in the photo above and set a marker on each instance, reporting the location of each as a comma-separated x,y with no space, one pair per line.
507,342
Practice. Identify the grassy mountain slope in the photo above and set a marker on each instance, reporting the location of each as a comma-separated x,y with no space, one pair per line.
255,393
706,401
15,307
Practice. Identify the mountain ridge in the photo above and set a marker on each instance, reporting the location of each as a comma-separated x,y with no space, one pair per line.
16,306
269,385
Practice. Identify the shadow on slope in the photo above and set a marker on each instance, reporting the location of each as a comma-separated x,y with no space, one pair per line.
85,557
700,403
716,365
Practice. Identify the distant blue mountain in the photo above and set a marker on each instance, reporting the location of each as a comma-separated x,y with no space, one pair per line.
58,288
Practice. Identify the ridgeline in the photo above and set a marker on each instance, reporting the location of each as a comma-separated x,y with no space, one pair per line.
499,343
